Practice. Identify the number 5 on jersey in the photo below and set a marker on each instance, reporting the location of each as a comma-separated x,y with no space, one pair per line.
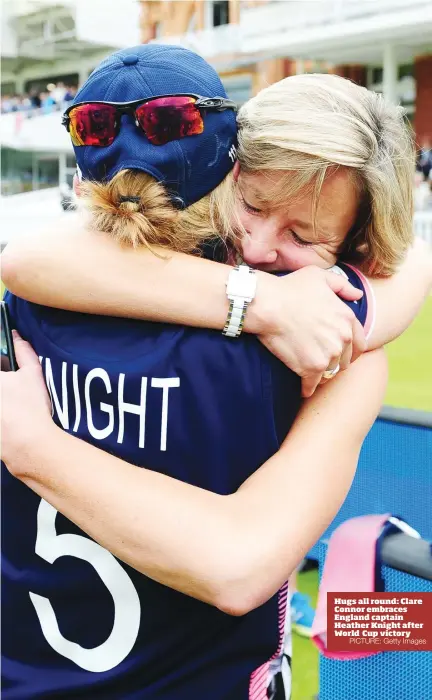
127,610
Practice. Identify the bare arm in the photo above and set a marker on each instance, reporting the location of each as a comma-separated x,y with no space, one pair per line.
86,271
80,270
247,544
399,298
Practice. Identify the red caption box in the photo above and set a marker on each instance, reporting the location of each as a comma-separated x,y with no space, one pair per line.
379,621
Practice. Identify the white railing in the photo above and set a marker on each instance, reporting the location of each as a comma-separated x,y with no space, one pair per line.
42,132
208,42
287,18
423,225
309,13
30,112
348,9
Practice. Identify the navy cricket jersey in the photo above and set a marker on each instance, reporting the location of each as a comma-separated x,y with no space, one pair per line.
77,622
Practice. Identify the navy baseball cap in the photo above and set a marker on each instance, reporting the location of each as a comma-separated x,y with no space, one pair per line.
190,167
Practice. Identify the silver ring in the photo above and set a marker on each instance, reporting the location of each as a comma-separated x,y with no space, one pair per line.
330,373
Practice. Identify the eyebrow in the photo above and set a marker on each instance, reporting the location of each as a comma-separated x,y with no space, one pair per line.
255,194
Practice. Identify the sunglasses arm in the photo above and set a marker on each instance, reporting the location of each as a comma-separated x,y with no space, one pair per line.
217,103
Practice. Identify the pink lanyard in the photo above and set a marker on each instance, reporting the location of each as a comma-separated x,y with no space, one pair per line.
350,566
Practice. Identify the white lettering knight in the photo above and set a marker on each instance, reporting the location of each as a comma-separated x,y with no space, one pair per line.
79,398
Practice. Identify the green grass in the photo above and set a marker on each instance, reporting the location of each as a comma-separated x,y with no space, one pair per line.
410,360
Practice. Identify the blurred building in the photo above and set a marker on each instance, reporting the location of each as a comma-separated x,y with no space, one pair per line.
51,43
385,45
44,41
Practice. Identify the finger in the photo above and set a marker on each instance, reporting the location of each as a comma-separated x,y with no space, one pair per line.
309,384
342,287
334,362
345,358
24,353
359,341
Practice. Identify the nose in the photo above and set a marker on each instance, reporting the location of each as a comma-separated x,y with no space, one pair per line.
258,250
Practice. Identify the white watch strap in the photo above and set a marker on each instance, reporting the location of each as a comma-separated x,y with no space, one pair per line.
241,287
235,319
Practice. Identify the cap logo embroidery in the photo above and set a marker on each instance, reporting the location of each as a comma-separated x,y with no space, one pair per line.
232,153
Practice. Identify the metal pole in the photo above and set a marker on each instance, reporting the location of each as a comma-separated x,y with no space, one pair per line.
390,73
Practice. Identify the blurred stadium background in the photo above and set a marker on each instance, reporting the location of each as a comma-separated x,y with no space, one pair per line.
48,48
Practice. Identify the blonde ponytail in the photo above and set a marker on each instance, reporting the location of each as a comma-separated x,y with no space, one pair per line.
136,210
132,207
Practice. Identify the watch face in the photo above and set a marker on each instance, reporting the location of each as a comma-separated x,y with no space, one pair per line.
241,283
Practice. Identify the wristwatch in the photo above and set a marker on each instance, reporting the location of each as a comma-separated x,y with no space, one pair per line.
240,290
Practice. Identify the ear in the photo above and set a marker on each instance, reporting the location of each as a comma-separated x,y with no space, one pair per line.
236,170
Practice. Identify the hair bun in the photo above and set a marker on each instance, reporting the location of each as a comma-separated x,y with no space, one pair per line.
123,199
128,204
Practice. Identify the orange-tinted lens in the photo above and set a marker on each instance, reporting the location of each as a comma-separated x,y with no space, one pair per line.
169,118
93,125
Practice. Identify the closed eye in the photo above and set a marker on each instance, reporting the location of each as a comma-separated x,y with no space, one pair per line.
249,208
300,241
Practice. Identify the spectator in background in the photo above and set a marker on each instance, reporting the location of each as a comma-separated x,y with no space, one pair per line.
35,98
59,92
424,161
423,178
71,91
6,104
47,102
25,103
15,102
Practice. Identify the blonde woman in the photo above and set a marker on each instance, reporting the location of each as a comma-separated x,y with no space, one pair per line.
215,516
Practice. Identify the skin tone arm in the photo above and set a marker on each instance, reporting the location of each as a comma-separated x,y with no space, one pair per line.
400,297
91,273
247,543
84,271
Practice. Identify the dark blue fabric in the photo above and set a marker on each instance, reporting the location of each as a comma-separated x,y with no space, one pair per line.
360,307
234,404
190,167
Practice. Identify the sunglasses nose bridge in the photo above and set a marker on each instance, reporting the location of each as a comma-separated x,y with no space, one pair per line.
125,114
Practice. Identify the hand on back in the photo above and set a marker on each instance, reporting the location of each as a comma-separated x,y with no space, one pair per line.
308,327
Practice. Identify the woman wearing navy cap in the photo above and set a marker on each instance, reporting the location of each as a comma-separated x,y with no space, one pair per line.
203,414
